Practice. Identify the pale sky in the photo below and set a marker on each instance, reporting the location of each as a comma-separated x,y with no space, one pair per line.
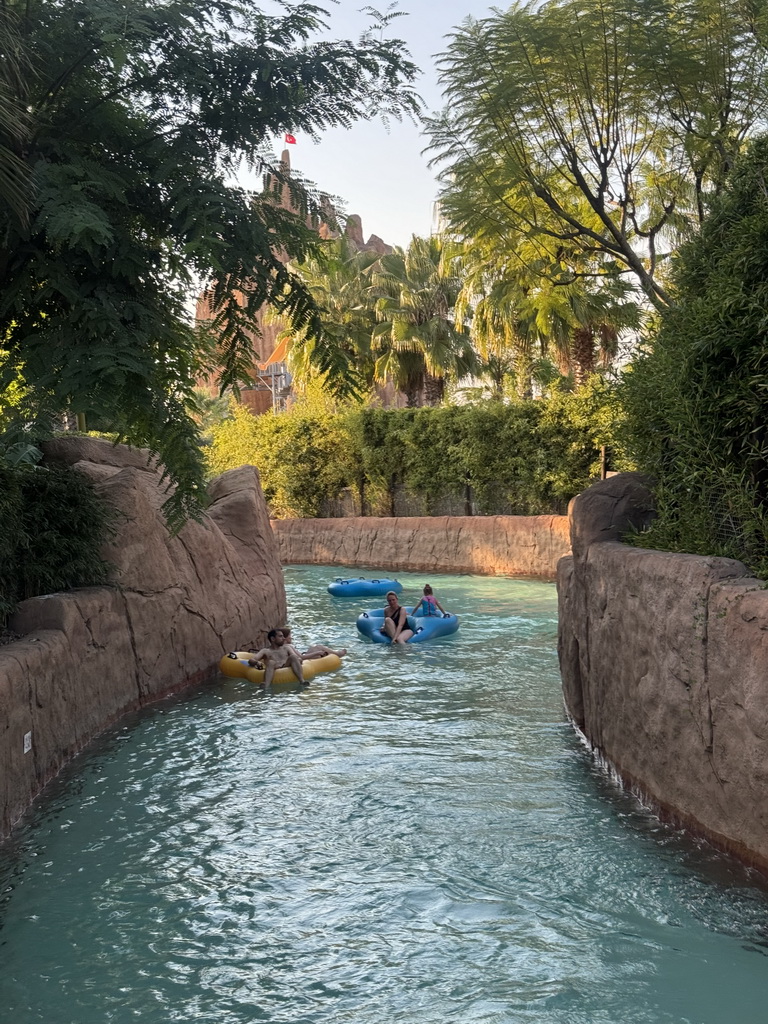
382,176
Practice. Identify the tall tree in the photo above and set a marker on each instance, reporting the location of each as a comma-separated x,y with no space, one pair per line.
143,112
602,125
696,412
417,339
527,305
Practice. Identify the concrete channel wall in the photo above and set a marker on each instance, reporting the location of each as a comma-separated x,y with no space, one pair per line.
88,656
664,662
488,545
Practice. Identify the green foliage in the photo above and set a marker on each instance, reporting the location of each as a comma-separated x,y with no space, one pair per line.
302,458
385,437
595,130
390,317
528,311
525,457
695,402
210,410
53,525
336,275
417,340
15,120
141,114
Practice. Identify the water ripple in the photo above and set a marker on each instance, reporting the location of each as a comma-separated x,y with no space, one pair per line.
419,838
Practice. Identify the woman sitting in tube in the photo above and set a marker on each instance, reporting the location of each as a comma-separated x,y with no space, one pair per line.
396,624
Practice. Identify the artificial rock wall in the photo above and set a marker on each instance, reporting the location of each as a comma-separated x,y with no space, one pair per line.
664,661
487,545
89,655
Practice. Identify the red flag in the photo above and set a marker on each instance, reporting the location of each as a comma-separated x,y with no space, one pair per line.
291,140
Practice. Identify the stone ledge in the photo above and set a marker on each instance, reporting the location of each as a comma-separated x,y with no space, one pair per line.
523,546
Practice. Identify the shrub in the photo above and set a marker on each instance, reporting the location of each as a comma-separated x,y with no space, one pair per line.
527,457
303,459
53,526
696,400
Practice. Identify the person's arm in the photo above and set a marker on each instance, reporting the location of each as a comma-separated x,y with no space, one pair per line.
440,607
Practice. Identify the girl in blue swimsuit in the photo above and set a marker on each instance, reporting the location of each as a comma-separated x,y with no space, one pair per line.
430,604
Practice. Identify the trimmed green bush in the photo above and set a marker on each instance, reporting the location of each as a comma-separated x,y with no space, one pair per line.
527,457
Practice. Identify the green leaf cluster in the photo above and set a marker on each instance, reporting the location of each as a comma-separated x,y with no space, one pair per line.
302,457
388,317
597,130
53,526
141,113
696,401
526,458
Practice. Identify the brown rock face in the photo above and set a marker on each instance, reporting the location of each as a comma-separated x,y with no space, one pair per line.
354,230
663,659
179,603
608,510
487,545
376,244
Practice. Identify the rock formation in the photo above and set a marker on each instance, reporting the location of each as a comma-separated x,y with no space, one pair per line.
663,659
178,603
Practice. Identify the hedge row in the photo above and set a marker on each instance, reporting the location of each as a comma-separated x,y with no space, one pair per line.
525,458
52,525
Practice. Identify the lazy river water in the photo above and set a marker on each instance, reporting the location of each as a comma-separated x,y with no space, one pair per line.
418,838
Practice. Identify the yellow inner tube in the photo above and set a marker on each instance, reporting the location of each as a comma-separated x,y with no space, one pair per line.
238,668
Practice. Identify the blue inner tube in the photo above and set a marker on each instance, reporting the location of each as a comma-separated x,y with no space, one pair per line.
427,626
361,587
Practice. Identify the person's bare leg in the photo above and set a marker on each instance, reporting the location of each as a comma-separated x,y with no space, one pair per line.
404,636
295,664
320,651
389,628
269,675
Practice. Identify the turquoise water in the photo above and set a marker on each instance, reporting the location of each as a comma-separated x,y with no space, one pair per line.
419,838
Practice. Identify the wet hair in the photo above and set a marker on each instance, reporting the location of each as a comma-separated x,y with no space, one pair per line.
273,633
391,593
427,588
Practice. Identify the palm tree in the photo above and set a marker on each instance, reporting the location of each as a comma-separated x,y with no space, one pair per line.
583,323
417,340
532,302
492,302
337,275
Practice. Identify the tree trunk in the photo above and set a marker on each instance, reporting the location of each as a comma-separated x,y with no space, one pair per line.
434,389
583,355
412,396
524,375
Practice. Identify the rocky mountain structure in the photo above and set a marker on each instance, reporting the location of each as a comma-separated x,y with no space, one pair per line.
178,604
663,659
